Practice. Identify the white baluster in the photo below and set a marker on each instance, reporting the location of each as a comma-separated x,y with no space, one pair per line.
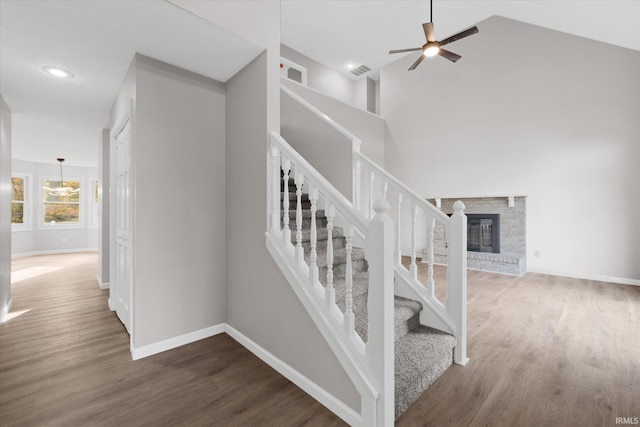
330,294
371,178
431,225
385,187
299,180
313,266
356,183
286,235
413,268
349,317
398,237
275,189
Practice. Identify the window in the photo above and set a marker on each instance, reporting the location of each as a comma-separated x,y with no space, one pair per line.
61,202
18,200
20,193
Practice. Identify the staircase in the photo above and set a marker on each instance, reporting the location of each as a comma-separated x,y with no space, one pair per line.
422,354
343,259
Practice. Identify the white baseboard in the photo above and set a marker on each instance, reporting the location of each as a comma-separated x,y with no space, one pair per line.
596,277
159,347
314,390
102,285
5,310
53,252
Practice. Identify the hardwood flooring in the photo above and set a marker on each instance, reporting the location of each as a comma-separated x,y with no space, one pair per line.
545,351
66,362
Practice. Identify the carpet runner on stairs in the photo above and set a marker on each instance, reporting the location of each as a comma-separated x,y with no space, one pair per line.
422,354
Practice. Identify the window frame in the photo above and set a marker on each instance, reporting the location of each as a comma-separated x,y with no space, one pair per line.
94,204
27,224
61,225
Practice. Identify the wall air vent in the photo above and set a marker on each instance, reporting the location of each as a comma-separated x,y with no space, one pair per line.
360,70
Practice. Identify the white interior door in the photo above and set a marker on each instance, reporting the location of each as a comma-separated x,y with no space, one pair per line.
120,288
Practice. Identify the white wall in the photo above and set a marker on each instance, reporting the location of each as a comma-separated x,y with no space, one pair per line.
535,112
5,209
104,239
179,213
326,80
260,303
42,239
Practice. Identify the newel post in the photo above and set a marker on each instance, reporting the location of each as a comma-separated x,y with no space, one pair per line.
457,281
380,347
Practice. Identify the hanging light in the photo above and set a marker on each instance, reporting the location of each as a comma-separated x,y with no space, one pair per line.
61,190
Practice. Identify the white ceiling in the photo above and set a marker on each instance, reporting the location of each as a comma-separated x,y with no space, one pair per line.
336,33
96,40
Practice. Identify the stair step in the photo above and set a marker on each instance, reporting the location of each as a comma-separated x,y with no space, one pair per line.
293,197
306,214
321,222
406,316
321,234
421,357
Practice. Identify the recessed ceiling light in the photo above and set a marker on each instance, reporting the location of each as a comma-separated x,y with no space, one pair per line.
58,72
351,66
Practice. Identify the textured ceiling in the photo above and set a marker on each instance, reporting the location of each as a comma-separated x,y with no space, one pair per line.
96,40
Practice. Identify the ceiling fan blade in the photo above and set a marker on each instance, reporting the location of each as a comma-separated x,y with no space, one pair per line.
415,64
428,31
466,33
453,57
413,49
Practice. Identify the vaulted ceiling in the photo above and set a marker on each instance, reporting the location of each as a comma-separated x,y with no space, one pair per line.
96,39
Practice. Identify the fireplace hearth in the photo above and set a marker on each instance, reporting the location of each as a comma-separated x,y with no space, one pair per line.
483,233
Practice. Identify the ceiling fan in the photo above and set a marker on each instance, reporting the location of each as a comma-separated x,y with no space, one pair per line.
433,47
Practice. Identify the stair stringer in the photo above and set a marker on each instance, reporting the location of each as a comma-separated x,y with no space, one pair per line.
354,365
433,313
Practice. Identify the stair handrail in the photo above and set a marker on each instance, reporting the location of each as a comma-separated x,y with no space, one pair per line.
369,365
451,315
342,204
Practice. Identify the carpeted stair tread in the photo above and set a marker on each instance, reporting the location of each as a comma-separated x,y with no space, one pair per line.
306,214
421,357
321,234
339,256
406,316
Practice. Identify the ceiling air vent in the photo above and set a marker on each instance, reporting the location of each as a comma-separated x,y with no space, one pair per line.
360,70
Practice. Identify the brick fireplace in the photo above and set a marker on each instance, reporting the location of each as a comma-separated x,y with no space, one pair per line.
496,233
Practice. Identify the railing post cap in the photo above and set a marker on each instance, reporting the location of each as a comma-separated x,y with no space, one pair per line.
458,206
381,206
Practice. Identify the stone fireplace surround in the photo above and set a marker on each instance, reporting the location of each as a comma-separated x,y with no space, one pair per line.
513,246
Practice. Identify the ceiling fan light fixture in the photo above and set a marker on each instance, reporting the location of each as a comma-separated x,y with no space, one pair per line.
431,49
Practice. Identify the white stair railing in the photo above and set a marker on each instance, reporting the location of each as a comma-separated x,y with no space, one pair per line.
369,365
426,223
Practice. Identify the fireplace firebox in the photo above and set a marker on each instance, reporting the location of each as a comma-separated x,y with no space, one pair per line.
483,233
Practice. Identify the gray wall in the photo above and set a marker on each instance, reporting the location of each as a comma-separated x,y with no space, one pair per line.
104,238
5,208
534,112
42,240
326,80
260,302
179,213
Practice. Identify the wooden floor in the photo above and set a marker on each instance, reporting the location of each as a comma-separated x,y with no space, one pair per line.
66,362
545,351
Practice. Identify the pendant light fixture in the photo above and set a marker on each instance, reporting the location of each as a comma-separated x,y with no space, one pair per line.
61,190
